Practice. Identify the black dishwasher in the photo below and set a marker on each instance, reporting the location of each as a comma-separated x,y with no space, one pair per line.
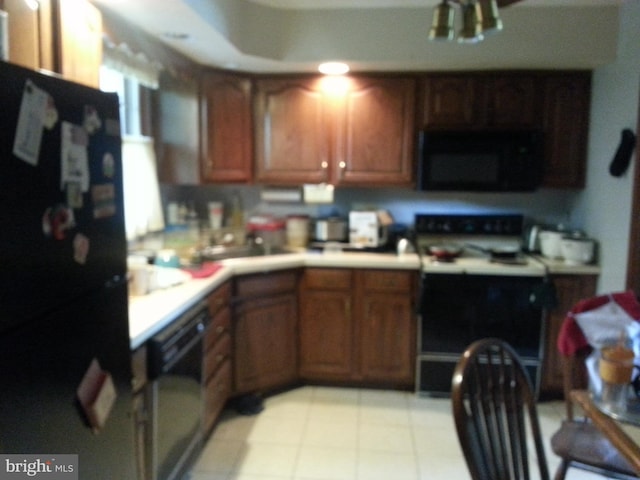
175,369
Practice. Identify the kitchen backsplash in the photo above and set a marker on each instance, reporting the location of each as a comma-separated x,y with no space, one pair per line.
543,206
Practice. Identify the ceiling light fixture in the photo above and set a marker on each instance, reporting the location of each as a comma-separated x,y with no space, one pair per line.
333,68
479,17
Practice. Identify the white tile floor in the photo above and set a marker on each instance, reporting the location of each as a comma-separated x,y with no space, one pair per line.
321,433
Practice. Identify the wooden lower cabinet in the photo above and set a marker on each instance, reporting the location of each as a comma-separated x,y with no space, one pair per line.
357,326
264,332
386,337
569,289
326,324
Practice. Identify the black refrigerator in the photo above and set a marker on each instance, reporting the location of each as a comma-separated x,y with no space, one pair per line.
65,361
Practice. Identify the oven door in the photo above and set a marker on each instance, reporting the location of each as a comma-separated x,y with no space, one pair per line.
458,309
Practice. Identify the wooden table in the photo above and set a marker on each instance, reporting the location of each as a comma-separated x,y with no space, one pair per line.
625,438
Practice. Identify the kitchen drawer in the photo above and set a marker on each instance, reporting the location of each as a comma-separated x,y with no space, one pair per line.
328,278
215,356
216,393
386,280
219,298
220,325
266,284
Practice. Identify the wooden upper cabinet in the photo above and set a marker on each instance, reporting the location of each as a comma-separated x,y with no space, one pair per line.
512,101
80,41
473,101
375,135
24,41
449,102
362,135
566,127
226,130
293,132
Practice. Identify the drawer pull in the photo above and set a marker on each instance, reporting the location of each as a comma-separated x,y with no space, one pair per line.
219,329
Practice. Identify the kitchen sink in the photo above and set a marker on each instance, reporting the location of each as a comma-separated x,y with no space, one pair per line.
221,252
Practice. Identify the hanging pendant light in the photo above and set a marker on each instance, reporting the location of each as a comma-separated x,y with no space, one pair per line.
442,24
479,17
488,16
471,31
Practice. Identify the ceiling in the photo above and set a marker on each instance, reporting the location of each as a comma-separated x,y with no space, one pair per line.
373,35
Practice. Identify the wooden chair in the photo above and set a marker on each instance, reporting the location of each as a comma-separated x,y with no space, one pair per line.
494,408
578,442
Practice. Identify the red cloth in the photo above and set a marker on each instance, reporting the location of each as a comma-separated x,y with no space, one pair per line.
203,271
571,339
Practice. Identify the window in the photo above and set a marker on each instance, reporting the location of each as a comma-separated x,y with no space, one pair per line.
142,204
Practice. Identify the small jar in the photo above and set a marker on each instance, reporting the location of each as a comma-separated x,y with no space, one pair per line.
297,231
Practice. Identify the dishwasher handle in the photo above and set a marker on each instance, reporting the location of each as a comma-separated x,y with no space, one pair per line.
172,343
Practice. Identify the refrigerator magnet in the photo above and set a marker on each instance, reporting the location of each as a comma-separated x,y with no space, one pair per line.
50,114
103,197
80,248
96,395
74,195
74,157
56,221
92,120
108,165
28,137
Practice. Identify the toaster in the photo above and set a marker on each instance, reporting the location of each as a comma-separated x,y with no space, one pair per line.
369,228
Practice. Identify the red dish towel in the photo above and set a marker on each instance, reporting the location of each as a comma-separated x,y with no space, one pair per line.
571,338
203,271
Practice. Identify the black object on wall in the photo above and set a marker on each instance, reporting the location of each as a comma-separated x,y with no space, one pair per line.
621,159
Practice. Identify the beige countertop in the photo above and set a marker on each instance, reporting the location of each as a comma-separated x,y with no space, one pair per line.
149,314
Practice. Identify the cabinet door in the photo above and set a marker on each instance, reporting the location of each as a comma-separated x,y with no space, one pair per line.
326,324
226,130
265,353
326,335
449,102
375,133
292,132
80,49
24,41
512,101
566,127
569,290
386,334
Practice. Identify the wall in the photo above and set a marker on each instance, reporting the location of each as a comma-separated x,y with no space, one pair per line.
604,207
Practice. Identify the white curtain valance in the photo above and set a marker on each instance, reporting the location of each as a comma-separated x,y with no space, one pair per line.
135,65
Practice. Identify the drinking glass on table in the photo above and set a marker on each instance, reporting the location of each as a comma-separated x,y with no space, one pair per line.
615,367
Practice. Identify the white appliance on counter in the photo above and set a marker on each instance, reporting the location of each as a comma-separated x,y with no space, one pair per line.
369,228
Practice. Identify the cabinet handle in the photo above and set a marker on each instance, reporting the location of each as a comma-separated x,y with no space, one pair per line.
219,357
219,329
324,165
342,165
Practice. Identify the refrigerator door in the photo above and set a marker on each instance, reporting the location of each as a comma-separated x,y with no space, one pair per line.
63,292
62,221
42,364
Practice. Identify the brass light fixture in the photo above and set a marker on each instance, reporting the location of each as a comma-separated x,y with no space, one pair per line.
479,17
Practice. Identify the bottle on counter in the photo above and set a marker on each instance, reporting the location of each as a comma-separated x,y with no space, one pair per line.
236,218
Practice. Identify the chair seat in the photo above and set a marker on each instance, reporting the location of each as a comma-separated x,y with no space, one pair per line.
582,442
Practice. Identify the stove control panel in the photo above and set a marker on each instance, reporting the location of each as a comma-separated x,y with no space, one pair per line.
498,225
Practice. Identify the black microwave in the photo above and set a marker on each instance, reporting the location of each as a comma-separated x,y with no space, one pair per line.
488,161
